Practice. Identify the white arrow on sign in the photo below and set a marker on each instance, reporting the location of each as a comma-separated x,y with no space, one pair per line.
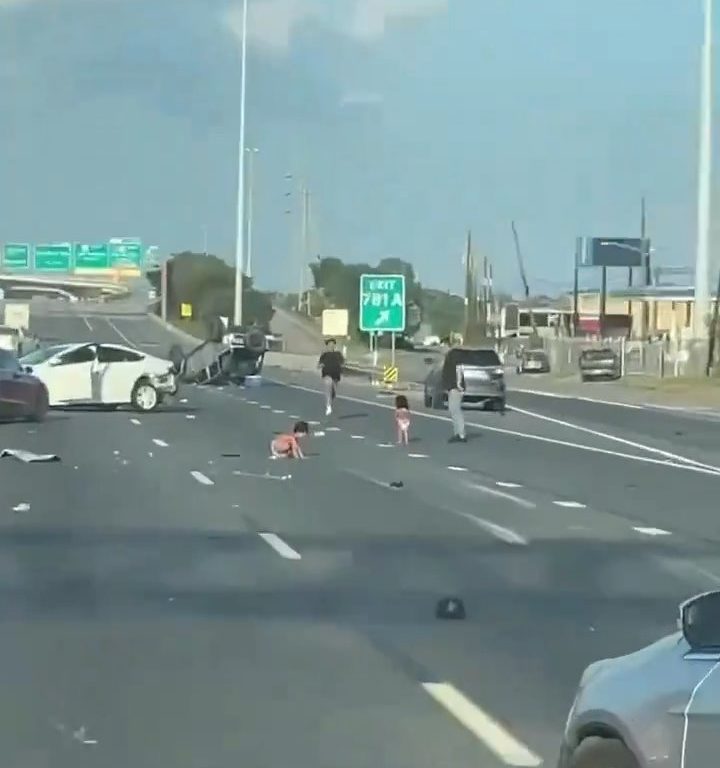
383,317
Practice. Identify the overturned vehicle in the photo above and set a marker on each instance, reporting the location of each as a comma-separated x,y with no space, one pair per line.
226,356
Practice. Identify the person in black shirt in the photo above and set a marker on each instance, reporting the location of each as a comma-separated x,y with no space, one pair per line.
331,364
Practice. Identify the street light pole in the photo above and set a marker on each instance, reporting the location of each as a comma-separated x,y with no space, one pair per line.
252,151
702,256
240,243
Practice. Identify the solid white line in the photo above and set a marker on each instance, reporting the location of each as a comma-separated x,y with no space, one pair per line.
283,549
87,322
615,438
508,485
527,436
569,504
498,531
135,421
651,531
201,478
161,443
120,333
502,495
558,396
498,740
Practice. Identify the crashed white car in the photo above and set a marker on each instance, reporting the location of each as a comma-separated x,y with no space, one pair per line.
102,374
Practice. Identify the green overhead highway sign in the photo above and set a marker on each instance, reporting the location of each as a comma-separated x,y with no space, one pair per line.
92,256
53,257
125,253
382,303
16,256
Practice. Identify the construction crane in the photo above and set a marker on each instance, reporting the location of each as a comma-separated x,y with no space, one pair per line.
523,277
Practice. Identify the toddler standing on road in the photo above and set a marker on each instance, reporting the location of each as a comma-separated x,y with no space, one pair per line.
402,419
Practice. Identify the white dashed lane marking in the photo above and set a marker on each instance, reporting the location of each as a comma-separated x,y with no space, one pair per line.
457,469
502,495
498,531
651,531
496,738
569,504
278,410
135,421
252,402
503,484
190,416
265,407
159,442
201,478
418,455
282,548
357,437
333,429
384,445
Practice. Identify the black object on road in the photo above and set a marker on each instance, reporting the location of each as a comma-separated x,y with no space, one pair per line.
450,608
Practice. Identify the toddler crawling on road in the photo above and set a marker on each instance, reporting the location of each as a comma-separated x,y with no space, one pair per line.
288,445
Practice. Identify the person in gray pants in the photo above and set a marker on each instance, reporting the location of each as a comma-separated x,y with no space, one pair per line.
453,382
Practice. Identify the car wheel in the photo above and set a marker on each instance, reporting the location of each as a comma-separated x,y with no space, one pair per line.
144,396
602,753
41,406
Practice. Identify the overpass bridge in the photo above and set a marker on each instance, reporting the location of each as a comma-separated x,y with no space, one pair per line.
65,286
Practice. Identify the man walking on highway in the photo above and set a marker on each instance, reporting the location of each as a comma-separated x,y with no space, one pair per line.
331,364
453,382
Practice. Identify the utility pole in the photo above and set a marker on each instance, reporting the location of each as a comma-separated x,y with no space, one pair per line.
240,243
702,256
468,273
484,307
305,245
252,151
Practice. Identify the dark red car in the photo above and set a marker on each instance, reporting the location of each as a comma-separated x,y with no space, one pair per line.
22,396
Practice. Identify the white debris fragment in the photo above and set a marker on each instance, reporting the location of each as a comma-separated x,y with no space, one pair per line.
23,506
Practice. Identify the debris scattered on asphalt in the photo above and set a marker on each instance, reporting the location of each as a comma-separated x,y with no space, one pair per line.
266,476
397,484
28,456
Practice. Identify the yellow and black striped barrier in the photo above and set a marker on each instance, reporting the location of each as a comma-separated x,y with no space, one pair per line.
390,374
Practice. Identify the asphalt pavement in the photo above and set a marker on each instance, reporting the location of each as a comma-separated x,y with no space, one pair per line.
171,596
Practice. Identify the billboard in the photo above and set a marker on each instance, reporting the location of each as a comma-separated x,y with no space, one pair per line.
615,252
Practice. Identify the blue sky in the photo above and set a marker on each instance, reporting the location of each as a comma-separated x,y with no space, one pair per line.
409,120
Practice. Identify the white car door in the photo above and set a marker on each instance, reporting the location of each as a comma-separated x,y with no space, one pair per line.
115,372
68,376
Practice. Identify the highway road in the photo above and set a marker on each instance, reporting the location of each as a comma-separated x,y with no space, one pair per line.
169,599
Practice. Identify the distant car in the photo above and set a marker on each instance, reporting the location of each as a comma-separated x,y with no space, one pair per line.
656,708
102,374
22,396
596,364
484,378
533,361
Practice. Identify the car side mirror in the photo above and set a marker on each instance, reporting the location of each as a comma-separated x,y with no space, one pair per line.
700,621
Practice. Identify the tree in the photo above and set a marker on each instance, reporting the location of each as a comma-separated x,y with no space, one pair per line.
339,284
208,283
